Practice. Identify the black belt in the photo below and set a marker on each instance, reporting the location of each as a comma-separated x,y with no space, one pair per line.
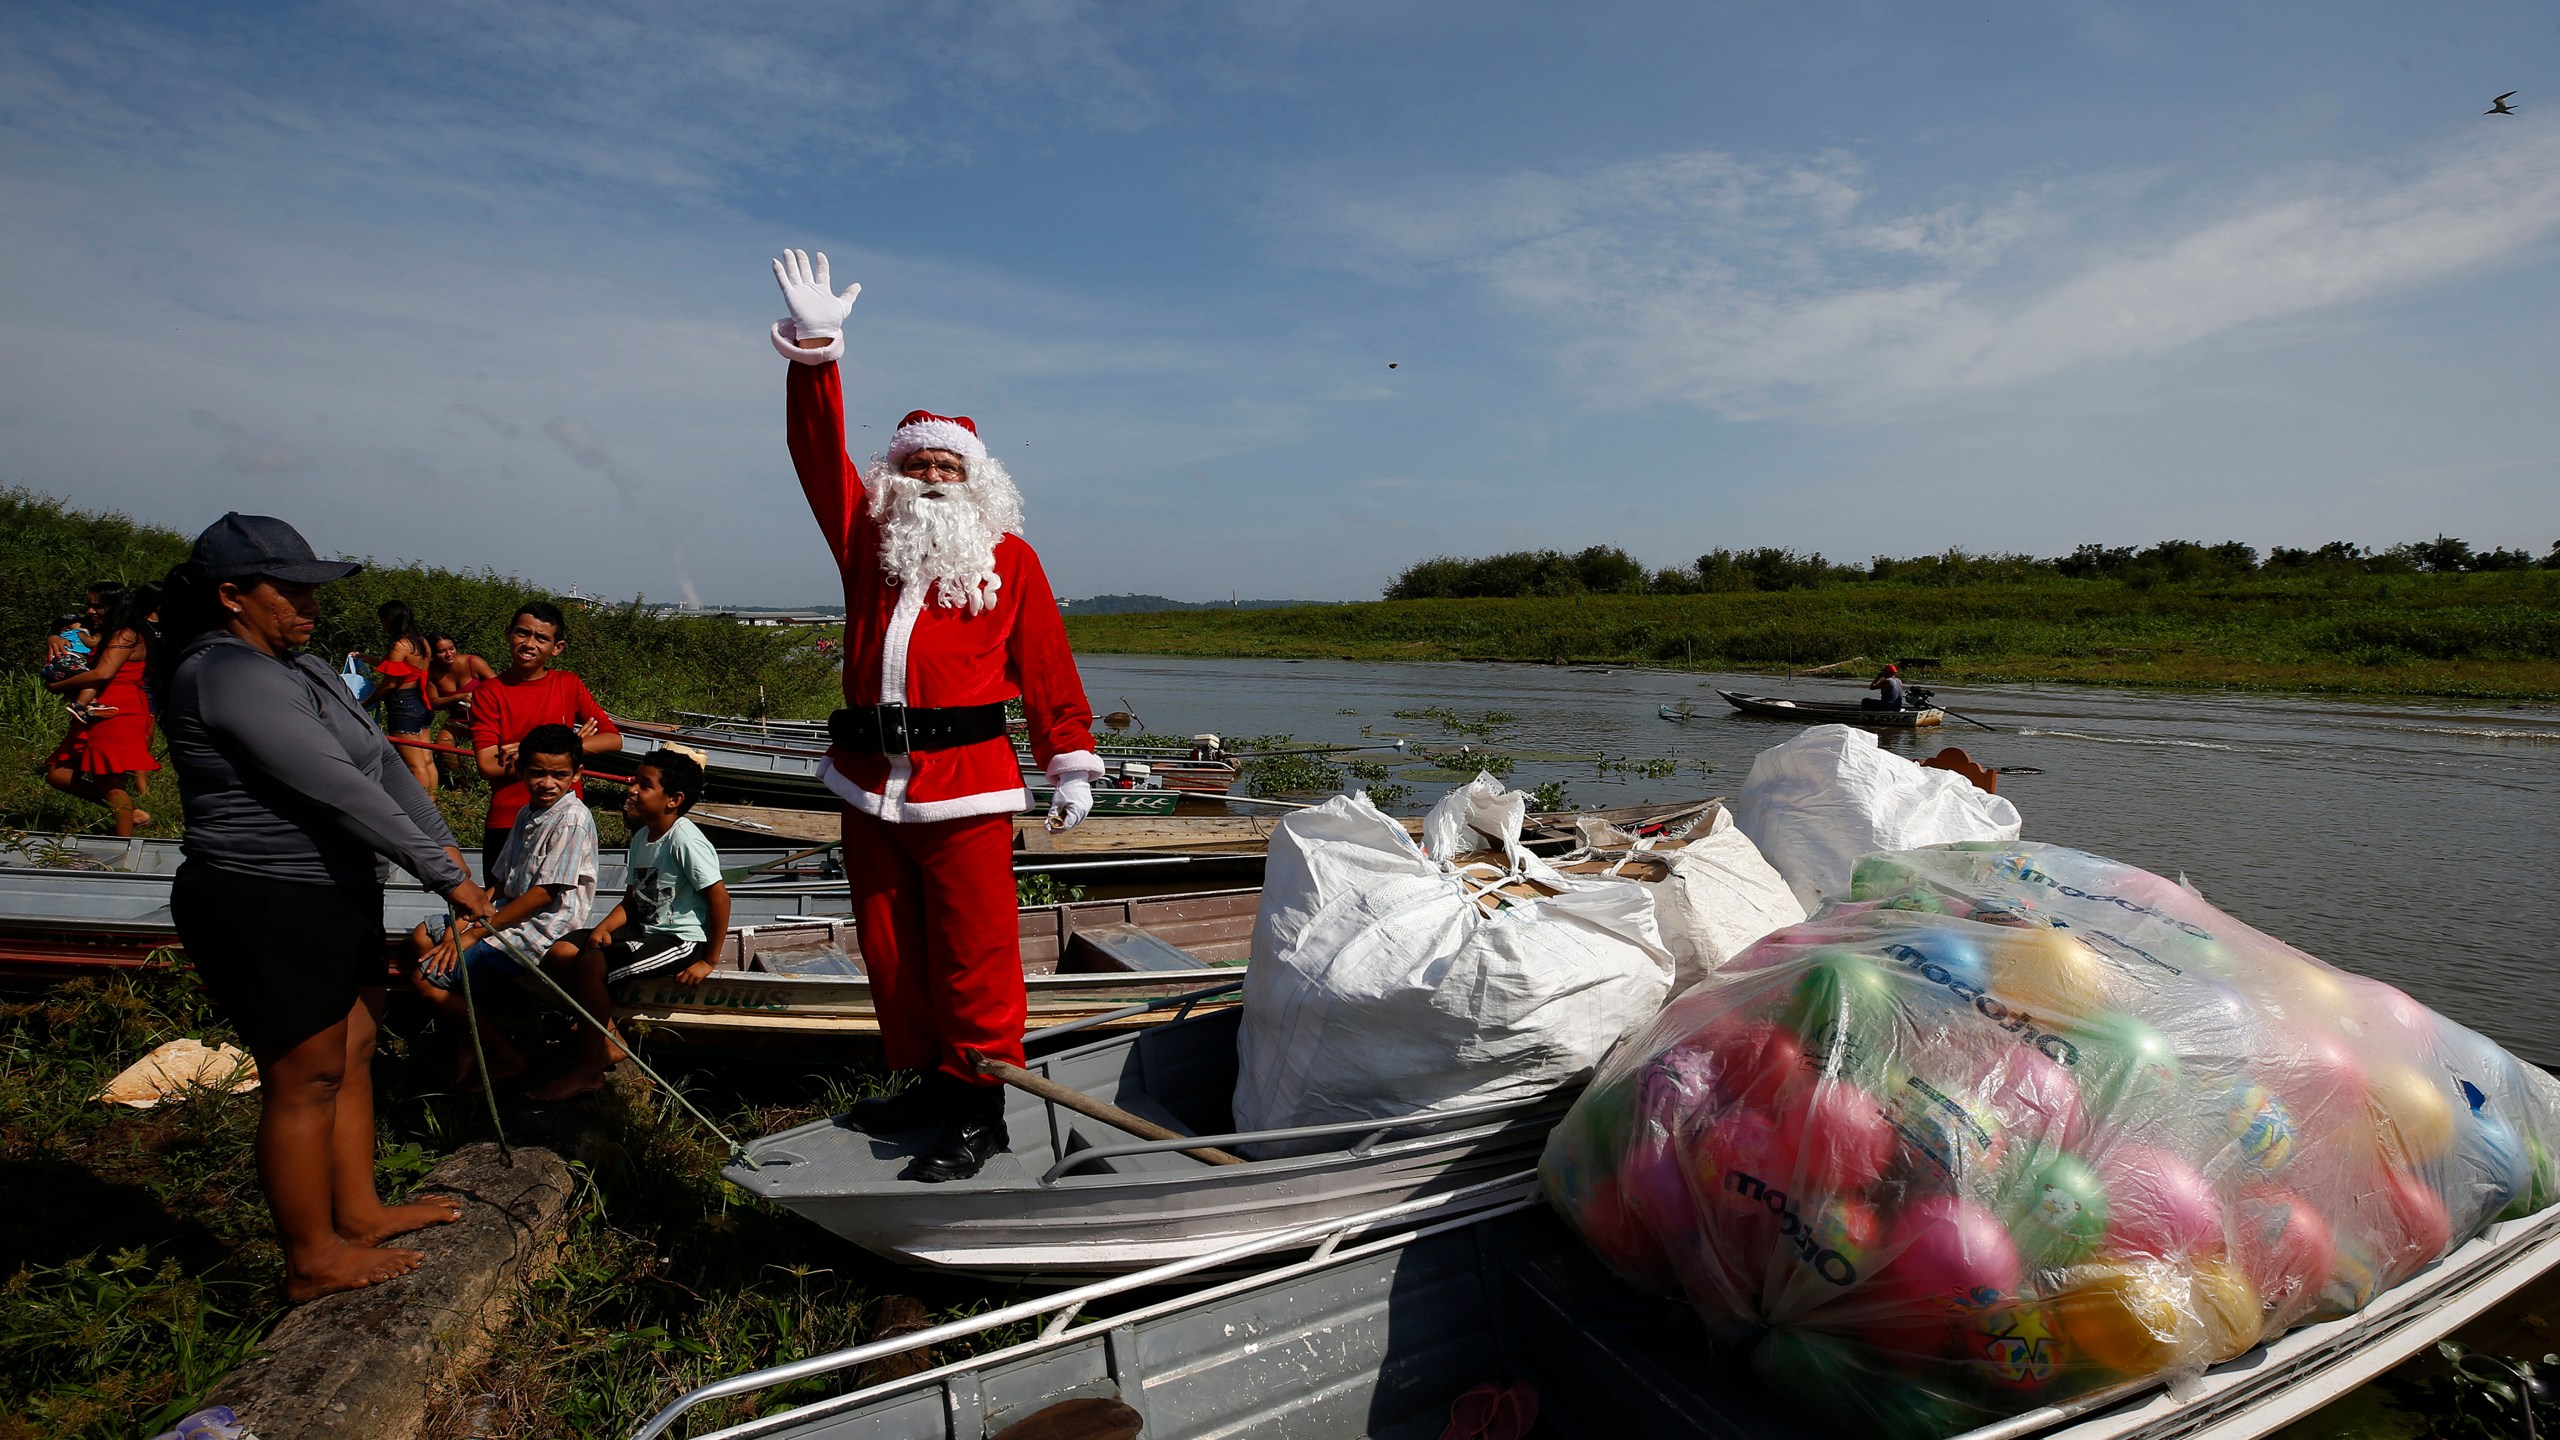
899,729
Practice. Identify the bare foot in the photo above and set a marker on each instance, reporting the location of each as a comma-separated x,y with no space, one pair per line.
389,1220
350,1267
141,817
568,1085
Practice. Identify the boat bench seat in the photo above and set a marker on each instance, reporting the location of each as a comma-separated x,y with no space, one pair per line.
1126,947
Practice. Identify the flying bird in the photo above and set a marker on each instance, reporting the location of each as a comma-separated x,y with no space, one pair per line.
2499,106
1391,364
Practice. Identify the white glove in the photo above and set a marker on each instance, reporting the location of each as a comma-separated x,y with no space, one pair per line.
1072,802
817,313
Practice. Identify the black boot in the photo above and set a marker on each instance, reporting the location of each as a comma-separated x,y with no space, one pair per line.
918,1107
972,1134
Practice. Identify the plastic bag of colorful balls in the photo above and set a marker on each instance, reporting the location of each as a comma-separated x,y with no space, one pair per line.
2015,1124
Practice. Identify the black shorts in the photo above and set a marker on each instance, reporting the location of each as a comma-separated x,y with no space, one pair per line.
649,953
283,959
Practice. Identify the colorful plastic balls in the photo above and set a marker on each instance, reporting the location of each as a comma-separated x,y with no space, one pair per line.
1594,1133
2420,1227
1845,1011
2124,1065
2049,971
2286,1247
2308,989
2490,1169
2544,1187
2063,1215
1754,1059
2159,1204
1837,1136
1618,1238
2261,1128
2228,1305
1943,1124
1952,1258
1653,1183
2017,1347
2412,1113
1942,955
2038,1100
2321,1079
2395,1007
2130,1317
1883,877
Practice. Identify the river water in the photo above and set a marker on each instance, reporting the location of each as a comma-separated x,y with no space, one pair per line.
2417,841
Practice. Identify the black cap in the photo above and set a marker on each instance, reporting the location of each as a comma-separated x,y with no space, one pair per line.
238,546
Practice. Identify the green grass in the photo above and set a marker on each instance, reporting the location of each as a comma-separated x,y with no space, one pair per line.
2487,635
137,1265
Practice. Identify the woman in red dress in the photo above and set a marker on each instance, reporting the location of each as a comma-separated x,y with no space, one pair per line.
109,744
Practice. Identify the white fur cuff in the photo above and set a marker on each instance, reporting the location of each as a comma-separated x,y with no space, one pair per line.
1075,762
784,333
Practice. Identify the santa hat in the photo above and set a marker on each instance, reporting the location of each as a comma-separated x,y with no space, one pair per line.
924,430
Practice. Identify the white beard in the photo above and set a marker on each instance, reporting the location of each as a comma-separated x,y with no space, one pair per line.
948,542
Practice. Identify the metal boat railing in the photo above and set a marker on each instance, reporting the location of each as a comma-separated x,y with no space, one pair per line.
1370,1131
1058,1312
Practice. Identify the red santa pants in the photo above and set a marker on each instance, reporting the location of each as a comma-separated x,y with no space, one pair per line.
941,937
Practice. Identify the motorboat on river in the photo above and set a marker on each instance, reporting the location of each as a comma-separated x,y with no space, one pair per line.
1829,712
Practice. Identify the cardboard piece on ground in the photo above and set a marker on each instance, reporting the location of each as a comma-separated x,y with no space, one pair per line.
178,1067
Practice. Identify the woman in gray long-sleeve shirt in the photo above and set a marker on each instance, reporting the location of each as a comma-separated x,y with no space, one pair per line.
294,803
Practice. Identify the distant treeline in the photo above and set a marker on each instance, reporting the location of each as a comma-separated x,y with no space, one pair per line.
1152,604
1608,570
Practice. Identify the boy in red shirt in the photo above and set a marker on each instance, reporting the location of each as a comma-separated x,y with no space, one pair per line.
526,694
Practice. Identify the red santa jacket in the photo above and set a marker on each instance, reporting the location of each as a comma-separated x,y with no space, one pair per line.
900,647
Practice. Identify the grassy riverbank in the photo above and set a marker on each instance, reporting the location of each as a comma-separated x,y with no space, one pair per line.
2486,635
137,1265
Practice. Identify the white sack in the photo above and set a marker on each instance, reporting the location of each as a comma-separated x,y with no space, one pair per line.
1817,803
1720,896
1379,987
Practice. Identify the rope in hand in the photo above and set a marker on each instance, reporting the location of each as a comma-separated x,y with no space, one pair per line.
736,1151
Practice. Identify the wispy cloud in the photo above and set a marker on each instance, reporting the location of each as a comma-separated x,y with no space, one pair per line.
1755,287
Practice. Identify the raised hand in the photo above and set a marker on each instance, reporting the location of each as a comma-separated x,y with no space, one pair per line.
817,313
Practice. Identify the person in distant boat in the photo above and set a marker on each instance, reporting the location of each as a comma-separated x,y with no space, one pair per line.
1888,680
293,802
948,615
402,692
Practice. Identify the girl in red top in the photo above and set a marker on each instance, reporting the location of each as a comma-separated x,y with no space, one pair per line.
110,737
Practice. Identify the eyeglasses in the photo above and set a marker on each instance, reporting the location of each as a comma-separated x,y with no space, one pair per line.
918,468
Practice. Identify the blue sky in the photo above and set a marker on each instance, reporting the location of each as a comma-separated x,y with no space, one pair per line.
487,284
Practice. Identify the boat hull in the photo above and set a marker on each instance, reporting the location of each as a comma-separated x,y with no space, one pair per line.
1019,1218
1818,712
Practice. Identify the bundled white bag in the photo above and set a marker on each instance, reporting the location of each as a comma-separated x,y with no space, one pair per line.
1380,986
1817,803
1720,897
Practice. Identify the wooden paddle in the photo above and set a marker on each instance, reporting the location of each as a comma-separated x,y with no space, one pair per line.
1085,1105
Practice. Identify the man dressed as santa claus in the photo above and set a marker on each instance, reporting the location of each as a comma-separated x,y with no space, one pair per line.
947,617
